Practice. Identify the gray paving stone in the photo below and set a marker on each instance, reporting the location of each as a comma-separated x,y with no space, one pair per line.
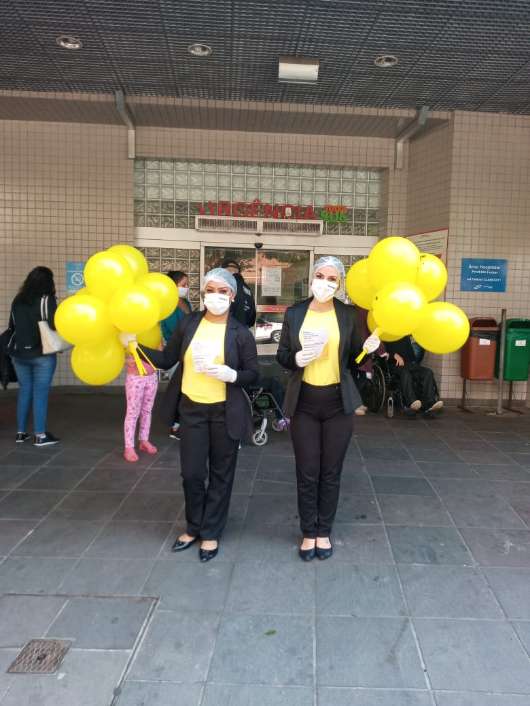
474,655
367,697
85,678
355,509
512,588
58,537
271,543
29,456
26,617
414,510
33,575
382,453
251,695
502,472
428,545
264,649
28,504
186,586
470,487
107,577
448,469
272,510
499,547
454,698
361,544
465,593
264,587
101,623
274,487
13,476
238,508
161,480
150,507
484,457
269,467
137,693
522,508
357,483
54,478
12,532
114,459
358,591
7,657
402,469
130,540
386,656
483,512
390,485
523,630
89,506
441,454
111,480
177,644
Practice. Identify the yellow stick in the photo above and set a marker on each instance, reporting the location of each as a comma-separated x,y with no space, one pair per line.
363,353
137,359
147,359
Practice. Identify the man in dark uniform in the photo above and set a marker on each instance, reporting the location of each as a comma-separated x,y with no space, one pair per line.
417,382
243,307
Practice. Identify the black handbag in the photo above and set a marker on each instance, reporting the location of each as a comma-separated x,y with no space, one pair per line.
7,369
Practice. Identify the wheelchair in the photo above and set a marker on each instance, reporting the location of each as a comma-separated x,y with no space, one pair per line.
383,391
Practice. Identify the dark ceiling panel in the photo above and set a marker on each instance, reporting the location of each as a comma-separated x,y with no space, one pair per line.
465,54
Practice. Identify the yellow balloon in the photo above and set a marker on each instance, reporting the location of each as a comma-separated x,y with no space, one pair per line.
399,308
106,272
358,286
383,335
164,289
444,328
98,364
151,338
432,276
83,318
134,309
134,257
393,260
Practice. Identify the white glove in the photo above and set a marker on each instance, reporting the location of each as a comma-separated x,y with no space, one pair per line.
126,338
371,344
222,373
304,357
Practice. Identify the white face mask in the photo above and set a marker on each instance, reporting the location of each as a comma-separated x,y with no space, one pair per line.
217,304
323,290
183,292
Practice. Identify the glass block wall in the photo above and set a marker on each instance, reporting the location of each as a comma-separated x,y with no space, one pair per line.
166,259
168,192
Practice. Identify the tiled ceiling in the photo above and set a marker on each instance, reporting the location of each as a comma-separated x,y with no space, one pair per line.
453,54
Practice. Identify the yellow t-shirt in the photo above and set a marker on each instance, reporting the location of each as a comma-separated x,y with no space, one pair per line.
200,387
325,369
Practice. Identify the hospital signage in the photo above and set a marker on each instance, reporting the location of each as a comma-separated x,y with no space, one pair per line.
257,209
478,275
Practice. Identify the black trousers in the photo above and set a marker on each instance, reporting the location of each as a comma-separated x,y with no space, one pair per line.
417,383
207,454
321,433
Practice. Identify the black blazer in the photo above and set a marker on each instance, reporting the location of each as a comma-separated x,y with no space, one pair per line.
349,347
240,354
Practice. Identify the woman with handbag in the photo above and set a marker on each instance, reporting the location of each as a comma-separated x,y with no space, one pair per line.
217,358
320,340
33,311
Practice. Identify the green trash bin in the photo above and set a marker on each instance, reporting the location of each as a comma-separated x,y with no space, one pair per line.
517,350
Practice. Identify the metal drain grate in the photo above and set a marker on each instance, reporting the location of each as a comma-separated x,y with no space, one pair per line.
40,657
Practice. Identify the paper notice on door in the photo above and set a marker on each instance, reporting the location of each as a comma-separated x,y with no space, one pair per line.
314,341
271,281
203,354
484,342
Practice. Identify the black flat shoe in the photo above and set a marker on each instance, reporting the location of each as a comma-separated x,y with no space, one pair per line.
324,553
307,554
180,546
208,554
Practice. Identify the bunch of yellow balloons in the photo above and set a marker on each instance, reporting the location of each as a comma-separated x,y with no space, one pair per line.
397,284
120,296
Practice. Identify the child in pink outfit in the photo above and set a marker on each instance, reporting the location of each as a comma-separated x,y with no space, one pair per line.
140,391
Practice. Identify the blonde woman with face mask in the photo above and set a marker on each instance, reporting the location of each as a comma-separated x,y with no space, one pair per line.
319,343
217,357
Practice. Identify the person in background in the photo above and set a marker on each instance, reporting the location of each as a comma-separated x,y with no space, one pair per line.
243,307
34,370
320,340
169,324
217,358
416,381
364,370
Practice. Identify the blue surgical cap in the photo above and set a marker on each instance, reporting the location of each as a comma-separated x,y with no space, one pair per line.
329,261
218,274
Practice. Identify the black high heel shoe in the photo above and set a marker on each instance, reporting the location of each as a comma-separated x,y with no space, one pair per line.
324,553
307,554
208,554
180,546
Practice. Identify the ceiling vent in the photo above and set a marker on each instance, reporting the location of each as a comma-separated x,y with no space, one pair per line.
294,69
270,226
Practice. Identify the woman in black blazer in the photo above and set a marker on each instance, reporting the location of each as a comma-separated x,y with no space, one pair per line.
218,358
319,343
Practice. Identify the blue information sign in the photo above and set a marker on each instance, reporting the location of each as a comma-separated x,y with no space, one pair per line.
74,276
483,275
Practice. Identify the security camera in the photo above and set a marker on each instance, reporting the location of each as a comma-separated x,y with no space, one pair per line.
258,246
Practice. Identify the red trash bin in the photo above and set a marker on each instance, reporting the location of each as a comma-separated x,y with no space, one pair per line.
477,361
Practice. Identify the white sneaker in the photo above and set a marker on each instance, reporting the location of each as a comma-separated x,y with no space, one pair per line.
361,411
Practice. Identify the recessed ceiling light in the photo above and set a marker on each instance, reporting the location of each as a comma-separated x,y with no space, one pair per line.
295,69
385,61
199,49
66,41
